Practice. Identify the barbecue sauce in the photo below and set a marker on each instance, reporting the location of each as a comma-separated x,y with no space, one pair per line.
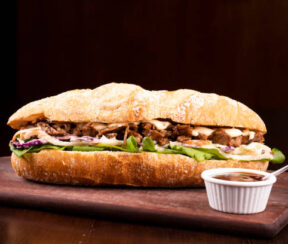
240,176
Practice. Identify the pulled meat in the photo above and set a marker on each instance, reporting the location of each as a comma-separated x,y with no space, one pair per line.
125,136
136,135
259,137
183,138
83,129
245,140
156,134
55,129
174,132
110,129
219,136
184,130
236,141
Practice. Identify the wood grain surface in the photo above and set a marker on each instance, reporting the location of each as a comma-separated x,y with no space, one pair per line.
20,225
187,208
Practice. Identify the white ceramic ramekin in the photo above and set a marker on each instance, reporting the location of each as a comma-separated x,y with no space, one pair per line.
237,197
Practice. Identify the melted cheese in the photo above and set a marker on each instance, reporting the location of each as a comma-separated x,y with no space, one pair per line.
160,125
99,126
116,125
202,130
252,151
233,132
251,134
108,141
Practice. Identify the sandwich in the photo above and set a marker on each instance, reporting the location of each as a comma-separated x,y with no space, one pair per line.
122,134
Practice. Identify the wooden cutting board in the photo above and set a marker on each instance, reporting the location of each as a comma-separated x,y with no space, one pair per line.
186,208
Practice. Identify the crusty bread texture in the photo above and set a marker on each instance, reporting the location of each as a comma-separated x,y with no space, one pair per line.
119,168
120,102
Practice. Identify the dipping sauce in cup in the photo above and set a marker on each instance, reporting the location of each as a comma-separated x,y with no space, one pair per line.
236,190
240,176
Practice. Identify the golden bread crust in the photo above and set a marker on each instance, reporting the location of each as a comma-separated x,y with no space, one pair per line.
119,168
119,102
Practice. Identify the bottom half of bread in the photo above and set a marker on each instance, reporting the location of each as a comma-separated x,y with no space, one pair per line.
119,168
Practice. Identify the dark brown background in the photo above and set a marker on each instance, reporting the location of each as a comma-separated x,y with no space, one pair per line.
235,48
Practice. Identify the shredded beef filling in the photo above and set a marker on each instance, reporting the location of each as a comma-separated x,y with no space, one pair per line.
174,132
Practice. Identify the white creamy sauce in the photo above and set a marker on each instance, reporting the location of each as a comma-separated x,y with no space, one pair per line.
95,141
109,141
251,134
115,125
252,151
160,125
233,132
202,130
99,126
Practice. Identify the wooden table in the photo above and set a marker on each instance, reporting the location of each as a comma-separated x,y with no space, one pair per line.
23,225
19,225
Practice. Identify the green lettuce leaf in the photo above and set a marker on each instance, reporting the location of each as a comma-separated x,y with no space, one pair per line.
109,147
130,147
21,152
148,145
87,148
199,154
165,150
192,152
278,156
131,144
47,146
215,152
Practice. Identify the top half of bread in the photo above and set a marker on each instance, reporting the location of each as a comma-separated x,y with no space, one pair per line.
119,102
